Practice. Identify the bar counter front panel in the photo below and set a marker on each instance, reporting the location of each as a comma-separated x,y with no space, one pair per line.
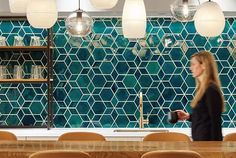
113,149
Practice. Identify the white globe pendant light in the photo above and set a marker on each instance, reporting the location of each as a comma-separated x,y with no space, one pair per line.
103,4
42,13
209,19
18,6
134,19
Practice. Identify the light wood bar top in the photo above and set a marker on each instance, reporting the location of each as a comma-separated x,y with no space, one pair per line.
111,149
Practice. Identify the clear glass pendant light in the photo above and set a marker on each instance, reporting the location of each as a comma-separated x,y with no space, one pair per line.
79,23
184,10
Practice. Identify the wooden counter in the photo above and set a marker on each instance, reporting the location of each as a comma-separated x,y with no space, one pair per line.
110,149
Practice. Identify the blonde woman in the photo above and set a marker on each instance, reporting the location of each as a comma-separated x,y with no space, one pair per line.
208,103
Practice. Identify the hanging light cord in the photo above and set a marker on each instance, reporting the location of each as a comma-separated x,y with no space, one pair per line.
79,4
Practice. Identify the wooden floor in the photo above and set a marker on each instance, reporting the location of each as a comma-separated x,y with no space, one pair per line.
110,149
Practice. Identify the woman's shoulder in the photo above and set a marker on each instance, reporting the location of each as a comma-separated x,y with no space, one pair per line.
212,87
213,95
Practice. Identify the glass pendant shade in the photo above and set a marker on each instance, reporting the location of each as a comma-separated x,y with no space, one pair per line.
103,4
209,19
134,19
42,13
184,10
18,6
79,23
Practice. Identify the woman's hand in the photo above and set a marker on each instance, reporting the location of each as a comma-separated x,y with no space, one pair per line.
182,115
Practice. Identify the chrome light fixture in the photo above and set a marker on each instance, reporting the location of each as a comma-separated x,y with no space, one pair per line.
209,19
104,4
79,23
42,13
134,19
184,10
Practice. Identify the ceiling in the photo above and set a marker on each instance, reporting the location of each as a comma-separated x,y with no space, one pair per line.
153,7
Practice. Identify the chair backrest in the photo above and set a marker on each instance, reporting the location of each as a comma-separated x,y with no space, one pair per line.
168,136
59,154
81,136
4,135
171,154
230,137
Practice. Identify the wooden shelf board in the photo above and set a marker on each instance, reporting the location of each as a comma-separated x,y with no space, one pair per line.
22,48
23,80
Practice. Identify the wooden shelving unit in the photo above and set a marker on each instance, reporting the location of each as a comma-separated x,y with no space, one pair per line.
48,50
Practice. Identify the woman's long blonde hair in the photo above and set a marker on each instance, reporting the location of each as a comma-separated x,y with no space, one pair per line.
210,75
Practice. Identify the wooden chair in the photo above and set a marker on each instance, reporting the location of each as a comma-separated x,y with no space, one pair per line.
4,135
172,154
230,137
59,154
168,136
81,136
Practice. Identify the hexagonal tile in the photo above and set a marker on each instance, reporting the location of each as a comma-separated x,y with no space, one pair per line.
99,54
145,81
176,27
168,67
122,94
60,40
122,68
99,27
75,68
75,94
199,41
153,40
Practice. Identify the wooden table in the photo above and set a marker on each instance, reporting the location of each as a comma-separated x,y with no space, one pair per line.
110,149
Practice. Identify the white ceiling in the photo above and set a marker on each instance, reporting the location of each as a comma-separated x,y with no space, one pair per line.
153,7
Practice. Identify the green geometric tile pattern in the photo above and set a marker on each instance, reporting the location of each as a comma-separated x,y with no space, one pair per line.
97,77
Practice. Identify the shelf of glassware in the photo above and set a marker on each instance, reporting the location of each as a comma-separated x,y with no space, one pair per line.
23,48
23,80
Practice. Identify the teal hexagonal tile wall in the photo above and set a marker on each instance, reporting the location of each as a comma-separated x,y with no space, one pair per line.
22,104
97,77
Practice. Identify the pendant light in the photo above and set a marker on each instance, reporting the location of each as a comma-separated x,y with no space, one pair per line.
79,23
42,13
184,10
18,6
103,4
209,19
134,19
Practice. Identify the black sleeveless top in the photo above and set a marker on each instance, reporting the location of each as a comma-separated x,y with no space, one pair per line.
206,116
